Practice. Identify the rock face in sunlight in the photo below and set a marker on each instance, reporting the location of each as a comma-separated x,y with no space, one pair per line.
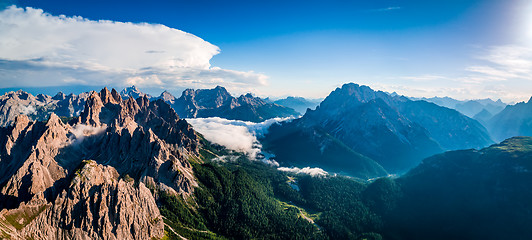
392,130
217,102
54,173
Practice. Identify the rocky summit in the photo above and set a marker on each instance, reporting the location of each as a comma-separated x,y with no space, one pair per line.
90,177
217,102
392,130
39,107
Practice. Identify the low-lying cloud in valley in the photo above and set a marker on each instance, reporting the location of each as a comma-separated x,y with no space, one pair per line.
234,134
314,172
39,50
82,131
242,136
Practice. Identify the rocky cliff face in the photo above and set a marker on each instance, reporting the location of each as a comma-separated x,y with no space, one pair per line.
89,178
39,107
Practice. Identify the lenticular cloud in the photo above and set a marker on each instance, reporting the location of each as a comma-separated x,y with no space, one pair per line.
38,49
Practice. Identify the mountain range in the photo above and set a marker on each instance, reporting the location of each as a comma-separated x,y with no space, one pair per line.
110,165
368,121
514,120
86,178
218,102
502,121
215,102
470,108
297,103
39,107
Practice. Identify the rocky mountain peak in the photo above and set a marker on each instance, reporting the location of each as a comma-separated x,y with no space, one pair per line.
167,97
351,94
59,96
217,102
110,96
132,91
91,113
40,107
250,100
363,119
50,169
23,95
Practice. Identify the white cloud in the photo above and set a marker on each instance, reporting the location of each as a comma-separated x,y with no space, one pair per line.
81,131
497,72
142,81
505,62
315,172
38,49
234,134
424,78
27,110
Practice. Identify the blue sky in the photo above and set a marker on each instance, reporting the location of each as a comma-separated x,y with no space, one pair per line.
463,49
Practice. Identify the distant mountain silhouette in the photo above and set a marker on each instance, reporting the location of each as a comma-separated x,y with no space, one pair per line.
217,102
469,108
514,120
298,103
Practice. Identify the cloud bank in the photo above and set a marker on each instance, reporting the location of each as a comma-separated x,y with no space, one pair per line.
38,49
234,134
314,172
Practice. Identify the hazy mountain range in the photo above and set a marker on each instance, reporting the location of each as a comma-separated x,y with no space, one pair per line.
470,108
297,103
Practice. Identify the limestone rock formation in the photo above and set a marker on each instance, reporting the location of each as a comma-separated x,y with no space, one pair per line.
39,107
89,178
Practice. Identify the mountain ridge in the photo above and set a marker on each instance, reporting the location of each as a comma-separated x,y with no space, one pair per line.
369,121
124,139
